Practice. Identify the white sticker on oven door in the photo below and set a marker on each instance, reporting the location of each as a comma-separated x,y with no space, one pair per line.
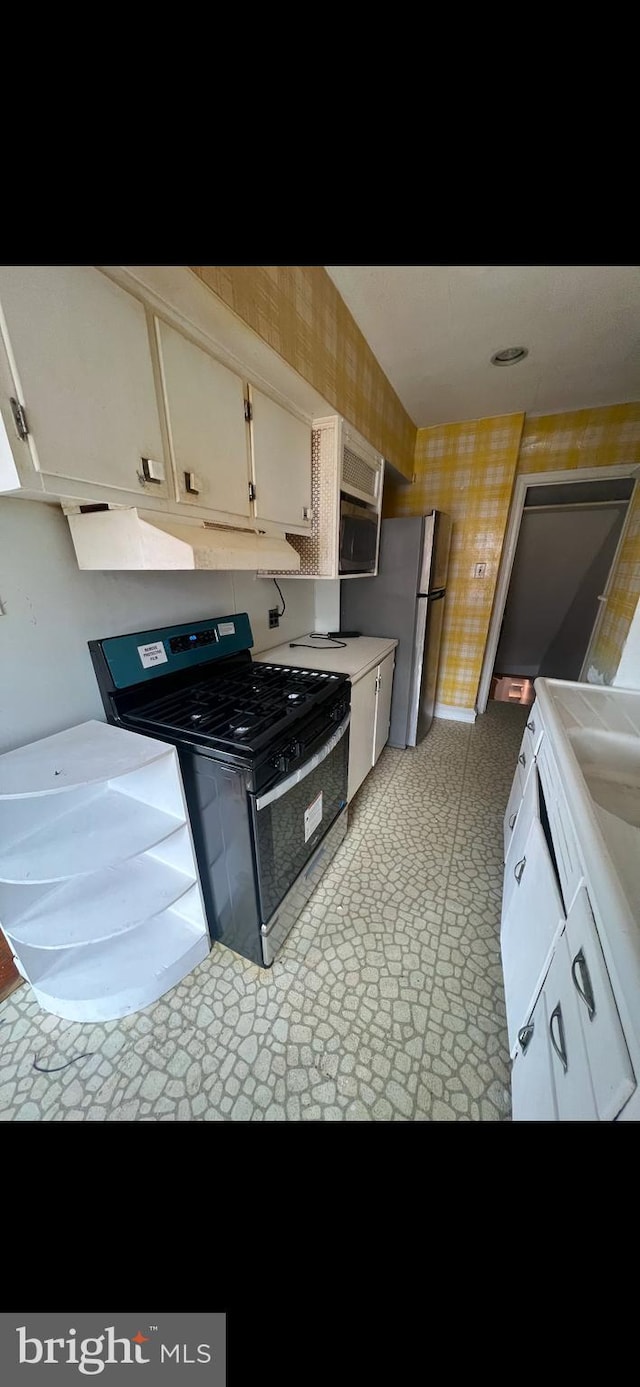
154,654
312,817
226,628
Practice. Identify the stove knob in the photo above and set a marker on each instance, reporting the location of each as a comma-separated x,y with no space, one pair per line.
281,763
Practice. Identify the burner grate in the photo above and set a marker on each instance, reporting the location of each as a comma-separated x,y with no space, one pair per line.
247,708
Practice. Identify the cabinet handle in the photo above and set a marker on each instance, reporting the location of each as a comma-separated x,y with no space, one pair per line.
586,991
152,471
525,1035
560,1049
521,864
531,725
513,819
522,759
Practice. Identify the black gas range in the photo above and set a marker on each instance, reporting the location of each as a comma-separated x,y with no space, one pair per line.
263,752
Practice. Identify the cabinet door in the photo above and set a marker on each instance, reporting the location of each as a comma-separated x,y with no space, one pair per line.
533,1096
569,1063
528,811
528,927
208,433
362,730
281,446
511,812
85,377
383,704
612,1074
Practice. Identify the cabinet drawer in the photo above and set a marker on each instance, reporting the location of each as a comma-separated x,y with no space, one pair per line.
612,1074
511,812
569,1063
525,759
533,730
569,867
533,1096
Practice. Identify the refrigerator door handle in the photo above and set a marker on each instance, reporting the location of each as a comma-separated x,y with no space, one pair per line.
434,596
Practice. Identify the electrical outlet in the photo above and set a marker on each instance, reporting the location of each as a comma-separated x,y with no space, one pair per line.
480,570
274,617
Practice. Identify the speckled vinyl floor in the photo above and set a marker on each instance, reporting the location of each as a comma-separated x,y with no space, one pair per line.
385,1003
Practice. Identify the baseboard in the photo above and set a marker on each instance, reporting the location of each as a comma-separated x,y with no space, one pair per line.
448,710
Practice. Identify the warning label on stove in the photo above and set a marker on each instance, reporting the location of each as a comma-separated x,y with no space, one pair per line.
154,654
312,817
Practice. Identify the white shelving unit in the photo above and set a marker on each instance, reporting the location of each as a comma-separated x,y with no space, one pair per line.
99,892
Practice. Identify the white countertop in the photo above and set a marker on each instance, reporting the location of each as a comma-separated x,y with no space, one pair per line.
356,658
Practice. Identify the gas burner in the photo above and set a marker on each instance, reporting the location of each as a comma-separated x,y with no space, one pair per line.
243,723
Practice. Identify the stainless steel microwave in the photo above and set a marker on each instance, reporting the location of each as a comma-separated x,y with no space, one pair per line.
358,537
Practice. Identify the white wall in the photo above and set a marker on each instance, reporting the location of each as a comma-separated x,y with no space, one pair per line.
49,609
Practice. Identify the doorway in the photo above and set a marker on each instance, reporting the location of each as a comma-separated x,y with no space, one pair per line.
563,537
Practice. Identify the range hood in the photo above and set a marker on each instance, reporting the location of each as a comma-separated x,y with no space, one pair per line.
147,542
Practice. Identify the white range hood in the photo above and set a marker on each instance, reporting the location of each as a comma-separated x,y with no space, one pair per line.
126,539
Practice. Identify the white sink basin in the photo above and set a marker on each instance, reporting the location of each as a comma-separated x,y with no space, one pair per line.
610,764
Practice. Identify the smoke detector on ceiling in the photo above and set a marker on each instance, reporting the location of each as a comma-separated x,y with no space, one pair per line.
509,355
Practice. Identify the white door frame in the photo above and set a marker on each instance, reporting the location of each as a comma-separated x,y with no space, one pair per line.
512,533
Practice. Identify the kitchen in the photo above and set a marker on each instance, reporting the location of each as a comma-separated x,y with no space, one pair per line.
385,999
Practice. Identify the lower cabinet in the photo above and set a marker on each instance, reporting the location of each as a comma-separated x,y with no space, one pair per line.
370,716
570,1057
557,1082
530,923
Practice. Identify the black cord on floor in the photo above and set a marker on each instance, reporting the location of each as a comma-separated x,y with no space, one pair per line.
284,605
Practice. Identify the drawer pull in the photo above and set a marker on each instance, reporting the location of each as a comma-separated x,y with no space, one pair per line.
522,759
586,991
519,874
513,819
525,1035
531,725
560,1049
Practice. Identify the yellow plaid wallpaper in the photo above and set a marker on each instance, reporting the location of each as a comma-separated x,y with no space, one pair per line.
469,471
466,470
603,437
299,312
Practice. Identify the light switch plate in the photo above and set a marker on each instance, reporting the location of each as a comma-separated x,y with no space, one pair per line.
480,570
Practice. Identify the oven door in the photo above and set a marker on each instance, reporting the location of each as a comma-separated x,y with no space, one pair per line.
291,819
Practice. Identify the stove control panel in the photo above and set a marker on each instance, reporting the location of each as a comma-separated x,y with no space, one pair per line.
193,640
143,656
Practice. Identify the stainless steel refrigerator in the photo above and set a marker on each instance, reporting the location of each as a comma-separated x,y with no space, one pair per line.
406,600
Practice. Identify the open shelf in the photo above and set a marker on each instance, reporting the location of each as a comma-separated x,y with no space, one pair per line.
116,977
84,755
92,835
99,891
101,906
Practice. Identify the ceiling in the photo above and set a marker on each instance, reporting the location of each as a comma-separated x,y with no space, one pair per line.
433,329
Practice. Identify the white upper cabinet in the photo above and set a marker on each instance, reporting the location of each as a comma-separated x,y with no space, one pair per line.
82,370
106,398
281,448
208,435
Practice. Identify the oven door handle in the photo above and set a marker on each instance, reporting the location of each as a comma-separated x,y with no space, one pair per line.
304,771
